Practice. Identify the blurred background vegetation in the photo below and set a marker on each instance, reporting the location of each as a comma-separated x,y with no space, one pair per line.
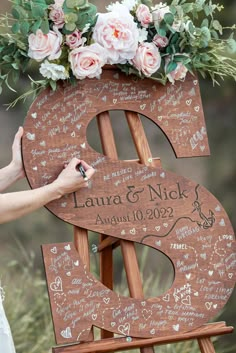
21,269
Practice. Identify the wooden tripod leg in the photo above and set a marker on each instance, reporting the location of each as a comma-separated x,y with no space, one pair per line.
206,345
127,247
145,157
106,255
82,246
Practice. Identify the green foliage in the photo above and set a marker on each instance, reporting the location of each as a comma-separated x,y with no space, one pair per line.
78,13
191,29
27,308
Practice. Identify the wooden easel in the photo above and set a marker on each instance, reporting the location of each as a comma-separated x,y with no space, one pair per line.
47,121
106,247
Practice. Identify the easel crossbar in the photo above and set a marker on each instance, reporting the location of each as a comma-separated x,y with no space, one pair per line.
122,343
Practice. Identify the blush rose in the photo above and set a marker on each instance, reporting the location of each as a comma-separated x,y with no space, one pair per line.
178,74
43,46
117,32
87,61
160,41
75,40
144,15
147,59
57,16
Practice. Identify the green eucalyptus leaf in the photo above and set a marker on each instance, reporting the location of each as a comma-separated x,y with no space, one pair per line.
7,58
205,23
15,28
161,32
187,8
53,85
205,34
15,66
217,26
45,26
169,18
86,16
70,27
171,67
24,28
43,3
207,10
148,3
71,4
15,13
214,34
37,12
36,25
231,45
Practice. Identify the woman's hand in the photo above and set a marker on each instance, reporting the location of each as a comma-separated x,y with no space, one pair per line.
16,163
70,179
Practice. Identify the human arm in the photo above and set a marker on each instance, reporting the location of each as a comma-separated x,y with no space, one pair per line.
17,204
13,171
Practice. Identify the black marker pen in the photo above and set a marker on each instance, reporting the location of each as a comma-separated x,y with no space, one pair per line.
80,168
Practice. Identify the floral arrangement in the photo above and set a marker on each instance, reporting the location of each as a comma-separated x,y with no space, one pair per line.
70,41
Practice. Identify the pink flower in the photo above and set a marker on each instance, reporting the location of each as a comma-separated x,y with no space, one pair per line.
75,40
43,46
144,15
87,61
117,32
147,59
57,16
178,74
160,41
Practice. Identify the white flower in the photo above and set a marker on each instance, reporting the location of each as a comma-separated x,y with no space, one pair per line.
112,6
159,11
86,28
143,34
130,4
117,32
53,71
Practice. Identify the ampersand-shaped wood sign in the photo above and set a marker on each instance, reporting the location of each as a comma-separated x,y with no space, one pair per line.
131,201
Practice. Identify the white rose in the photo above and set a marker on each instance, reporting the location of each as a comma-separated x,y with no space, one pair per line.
53,71
117,32
147,59
87,61
43,46
159,11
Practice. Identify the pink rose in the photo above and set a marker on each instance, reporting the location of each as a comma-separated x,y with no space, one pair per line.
87,61
147,59
75,40
178,74
117,32
43,46
57,16
160,41
144,15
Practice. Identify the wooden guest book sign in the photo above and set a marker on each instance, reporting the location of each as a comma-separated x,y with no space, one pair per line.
131,201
